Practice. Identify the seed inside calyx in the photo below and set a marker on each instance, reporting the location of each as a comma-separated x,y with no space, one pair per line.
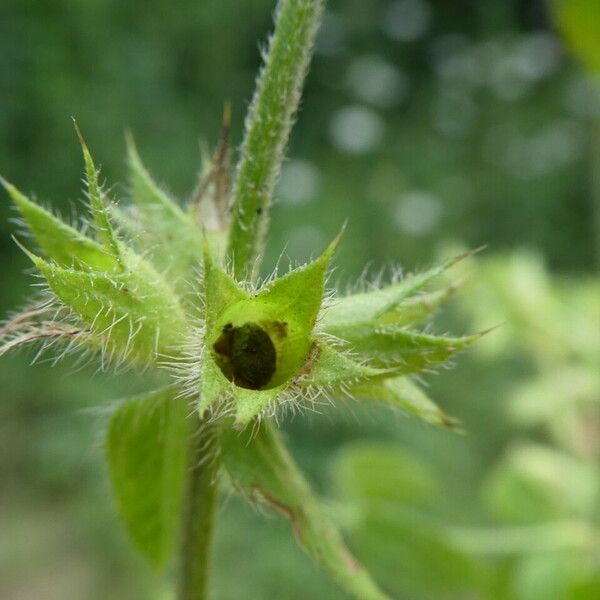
246,355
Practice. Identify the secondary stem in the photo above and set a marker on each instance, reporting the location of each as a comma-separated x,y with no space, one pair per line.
199,513
268,125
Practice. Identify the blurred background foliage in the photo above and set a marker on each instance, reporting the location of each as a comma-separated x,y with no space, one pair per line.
433,127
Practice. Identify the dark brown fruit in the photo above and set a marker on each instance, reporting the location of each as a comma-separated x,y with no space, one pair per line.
249,353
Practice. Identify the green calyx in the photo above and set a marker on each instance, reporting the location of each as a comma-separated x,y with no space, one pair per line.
258,344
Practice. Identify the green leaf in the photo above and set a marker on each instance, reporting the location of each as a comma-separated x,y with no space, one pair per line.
60,242
404,350
368,306
146,453
133,314
170,236
261,468
402,393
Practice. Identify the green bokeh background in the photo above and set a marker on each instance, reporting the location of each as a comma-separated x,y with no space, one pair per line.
432,127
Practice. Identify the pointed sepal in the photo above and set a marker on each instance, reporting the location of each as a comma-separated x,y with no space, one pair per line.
417,309
369,306
96,199
402,350
220,289
153,202
329,368
249,404
402,393
301,290
214,390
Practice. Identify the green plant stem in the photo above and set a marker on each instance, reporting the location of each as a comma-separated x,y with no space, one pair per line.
199,511
268,126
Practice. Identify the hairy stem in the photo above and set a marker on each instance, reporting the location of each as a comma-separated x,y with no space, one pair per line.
268,124
199,513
